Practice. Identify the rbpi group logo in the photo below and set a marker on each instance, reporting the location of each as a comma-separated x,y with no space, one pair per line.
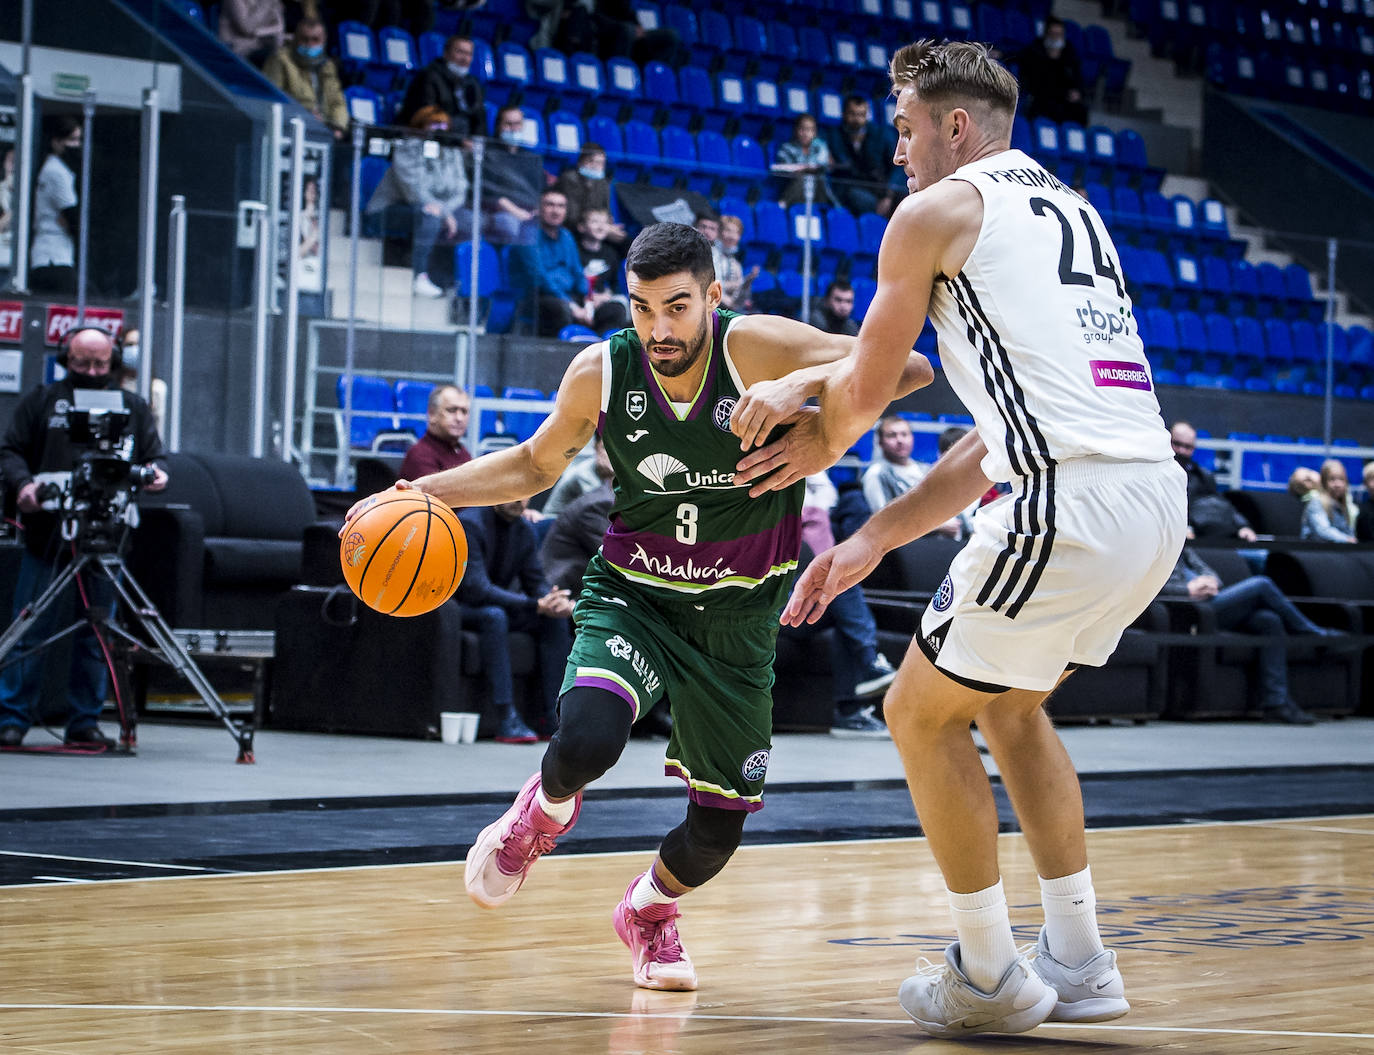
724,408
944,596
755,766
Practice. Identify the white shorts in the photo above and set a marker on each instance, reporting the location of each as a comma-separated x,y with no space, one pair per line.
1055,572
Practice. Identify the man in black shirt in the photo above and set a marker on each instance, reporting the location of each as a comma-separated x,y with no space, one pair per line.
448,83
38,441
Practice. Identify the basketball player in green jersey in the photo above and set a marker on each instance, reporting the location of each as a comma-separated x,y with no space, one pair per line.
683,597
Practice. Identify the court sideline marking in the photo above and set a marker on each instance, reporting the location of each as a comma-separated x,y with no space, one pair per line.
629,1015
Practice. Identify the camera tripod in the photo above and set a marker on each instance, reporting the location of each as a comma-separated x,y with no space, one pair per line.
164,647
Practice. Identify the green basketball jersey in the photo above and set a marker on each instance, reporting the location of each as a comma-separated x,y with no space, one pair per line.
679,525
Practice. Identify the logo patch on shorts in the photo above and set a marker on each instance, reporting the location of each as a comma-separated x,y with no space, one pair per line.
725,406
944,596
619,647
755,766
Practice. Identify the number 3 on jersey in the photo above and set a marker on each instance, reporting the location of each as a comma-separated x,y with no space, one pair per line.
687,524
1102,264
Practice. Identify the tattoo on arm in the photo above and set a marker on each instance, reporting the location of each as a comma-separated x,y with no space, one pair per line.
570,453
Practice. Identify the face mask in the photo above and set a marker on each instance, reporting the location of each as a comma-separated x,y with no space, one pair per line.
512,138
79,380
586,173
130,355
311,52
1054,47
456,70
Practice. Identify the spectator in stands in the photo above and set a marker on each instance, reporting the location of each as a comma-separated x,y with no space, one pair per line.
604,269
1364,518
303,71
862,160
1051,74
1329,513
252,29
895,472
709,226
586,187
546,277
441,447
606,28
860,672
802,155
131,359
512,180
504,589
1254,606
835,313
447,82
428,174
1209,514
52,258
415,15
585,474
735,282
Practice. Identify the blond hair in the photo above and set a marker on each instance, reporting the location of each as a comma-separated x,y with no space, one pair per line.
953,72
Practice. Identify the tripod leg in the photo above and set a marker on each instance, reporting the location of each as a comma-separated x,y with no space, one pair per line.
29,615
173,652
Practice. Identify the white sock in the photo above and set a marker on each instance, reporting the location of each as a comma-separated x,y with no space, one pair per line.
1071,918
559,812
647,891
986,947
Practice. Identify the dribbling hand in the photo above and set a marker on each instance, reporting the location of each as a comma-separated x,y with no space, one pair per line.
828,576
357,507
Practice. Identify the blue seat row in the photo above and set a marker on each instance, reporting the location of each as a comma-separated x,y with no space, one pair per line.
381,406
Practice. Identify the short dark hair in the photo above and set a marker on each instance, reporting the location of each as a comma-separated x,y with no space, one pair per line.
838,285
450,41
950,437
855,97
663,249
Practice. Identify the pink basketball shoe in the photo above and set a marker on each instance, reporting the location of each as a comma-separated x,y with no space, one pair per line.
505,851
660,961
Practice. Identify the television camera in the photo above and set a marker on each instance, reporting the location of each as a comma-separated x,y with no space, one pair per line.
94,499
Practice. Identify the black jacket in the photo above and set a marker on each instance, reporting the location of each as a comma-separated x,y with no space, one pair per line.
37,441
462,98
503,563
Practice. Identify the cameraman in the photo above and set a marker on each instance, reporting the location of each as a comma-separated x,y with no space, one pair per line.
38,441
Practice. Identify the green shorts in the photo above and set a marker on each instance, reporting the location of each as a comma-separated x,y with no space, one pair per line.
716,668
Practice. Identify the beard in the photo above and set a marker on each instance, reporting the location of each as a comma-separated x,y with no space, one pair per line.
678,367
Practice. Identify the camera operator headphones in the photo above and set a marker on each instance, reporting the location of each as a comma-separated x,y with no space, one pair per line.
116,354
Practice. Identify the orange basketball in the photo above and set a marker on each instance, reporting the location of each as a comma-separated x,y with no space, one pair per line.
404,553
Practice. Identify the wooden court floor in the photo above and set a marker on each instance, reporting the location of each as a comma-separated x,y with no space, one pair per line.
1234,938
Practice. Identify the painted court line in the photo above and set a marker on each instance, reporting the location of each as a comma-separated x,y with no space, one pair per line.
782,1019
102,861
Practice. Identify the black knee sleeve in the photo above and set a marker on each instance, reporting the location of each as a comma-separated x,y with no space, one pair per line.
593,728
698,848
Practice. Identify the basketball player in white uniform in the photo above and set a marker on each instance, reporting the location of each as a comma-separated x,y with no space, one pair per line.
1036,333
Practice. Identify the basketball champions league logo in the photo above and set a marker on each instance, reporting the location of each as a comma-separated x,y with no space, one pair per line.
721,415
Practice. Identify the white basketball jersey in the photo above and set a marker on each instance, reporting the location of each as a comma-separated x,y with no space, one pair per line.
1036,332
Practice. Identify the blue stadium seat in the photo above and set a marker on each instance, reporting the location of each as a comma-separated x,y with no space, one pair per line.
622,78
522,423
357,46
514,66
1192,332
577,332
431,45
376,399
1278,343
732,206
364,106
412,403
396,49
566,134
587,74
605,131
770,223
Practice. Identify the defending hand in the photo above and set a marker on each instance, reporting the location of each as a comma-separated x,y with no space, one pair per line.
763,407
828,576
792,457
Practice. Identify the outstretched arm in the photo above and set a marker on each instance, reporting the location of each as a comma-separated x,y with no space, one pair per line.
532,466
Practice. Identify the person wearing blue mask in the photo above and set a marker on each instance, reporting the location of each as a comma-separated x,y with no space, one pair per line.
586,187
450,83
512,181
303,71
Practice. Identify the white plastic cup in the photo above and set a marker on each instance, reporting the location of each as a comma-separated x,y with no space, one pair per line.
467,727
450,726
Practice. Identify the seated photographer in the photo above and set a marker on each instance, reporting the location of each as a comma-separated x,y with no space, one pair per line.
40,440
